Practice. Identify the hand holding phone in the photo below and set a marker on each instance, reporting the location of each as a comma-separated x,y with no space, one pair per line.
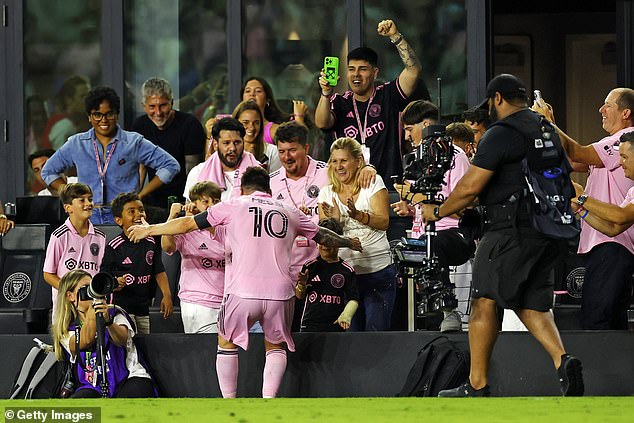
331,69
537,94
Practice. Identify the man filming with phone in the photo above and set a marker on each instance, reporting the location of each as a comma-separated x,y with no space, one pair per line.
367,113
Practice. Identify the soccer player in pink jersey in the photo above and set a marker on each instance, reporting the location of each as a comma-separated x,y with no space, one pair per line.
77,244
261,233
202,278
609,260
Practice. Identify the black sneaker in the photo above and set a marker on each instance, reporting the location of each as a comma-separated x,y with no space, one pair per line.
465,390
570,376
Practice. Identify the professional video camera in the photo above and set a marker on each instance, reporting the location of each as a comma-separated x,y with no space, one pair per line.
415,258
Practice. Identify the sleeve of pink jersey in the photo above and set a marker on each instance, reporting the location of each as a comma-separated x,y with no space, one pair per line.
305,225
220,214
53,254
608,155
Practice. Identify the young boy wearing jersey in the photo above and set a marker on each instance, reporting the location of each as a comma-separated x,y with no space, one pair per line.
135,264
328,284
202,278
77,244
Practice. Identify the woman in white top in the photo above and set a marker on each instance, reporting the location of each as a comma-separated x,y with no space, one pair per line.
249,115
363,213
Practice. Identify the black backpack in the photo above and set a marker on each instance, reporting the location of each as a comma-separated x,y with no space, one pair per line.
547,173
439,365
40,376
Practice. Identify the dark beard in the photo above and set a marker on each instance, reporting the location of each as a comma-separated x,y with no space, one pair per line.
493,114
225,162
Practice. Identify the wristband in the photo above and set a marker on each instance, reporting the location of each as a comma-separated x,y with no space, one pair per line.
583,216
109,322
437,212
326,95
398,39
579,210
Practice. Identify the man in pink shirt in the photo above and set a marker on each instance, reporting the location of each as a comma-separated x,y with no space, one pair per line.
612,219
261,233
77,244
609,260
225,166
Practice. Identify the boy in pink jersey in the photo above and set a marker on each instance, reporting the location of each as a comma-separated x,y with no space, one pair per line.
261,233
77,244
202,278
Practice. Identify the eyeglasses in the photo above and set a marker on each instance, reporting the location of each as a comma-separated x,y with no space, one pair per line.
97,116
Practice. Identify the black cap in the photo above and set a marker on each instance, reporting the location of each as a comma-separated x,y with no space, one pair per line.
506,84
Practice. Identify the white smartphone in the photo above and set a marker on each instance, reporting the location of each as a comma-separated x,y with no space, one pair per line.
537,94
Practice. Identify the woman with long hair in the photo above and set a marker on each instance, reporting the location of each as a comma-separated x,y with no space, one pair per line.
250,116
364,213
74,339
258,90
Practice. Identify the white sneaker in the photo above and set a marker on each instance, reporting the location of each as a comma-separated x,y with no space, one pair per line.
452,322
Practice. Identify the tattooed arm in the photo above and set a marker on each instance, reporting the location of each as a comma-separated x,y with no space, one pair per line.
413,68
328,238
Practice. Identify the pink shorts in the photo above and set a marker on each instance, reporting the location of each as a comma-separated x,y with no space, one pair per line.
237,315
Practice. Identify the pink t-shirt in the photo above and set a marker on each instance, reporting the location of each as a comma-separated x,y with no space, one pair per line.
452,176
607,184
202,279
67,250
261,233
301,192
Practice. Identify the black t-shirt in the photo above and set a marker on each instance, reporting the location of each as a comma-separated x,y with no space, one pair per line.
501,150
330,286
382,127
139,263
184,136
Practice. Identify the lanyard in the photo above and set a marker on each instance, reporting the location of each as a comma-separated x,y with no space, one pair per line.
100,170
365,119
291,195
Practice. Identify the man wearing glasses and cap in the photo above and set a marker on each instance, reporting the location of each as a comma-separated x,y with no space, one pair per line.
107,158
513,261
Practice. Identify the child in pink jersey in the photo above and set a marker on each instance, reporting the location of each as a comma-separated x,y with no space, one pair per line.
77,244
202,278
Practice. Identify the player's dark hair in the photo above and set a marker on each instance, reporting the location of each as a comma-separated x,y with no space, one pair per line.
257,179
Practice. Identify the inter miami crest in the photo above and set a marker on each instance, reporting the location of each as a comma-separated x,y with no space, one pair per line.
94,249
312,191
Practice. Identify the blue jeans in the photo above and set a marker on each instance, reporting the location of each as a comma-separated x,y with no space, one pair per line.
377,292
102,216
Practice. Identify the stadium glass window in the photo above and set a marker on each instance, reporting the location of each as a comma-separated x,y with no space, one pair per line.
437,31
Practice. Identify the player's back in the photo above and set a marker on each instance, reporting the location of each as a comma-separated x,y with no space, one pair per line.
260,233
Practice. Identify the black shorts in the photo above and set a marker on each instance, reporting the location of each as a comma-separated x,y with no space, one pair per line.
515,269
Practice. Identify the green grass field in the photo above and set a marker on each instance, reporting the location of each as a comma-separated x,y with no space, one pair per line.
352,410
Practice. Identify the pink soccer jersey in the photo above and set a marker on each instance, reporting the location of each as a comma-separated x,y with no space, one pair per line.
452,176
607,184
301,192
202,277
67,251
261,233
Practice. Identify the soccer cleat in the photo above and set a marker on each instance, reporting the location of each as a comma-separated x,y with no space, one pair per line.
451,323
570,374
465,390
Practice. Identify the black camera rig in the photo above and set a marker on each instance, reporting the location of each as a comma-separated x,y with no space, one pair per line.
426,167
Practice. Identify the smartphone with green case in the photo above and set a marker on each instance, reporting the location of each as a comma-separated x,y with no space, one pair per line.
331,69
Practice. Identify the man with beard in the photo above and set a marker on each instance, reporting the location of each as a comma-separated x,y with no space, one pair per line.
226,165
178,133
513,261
367,113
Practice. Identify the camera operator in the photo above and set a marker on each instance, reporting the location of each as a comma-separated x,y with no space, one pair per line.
77,315
450,245
513,262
